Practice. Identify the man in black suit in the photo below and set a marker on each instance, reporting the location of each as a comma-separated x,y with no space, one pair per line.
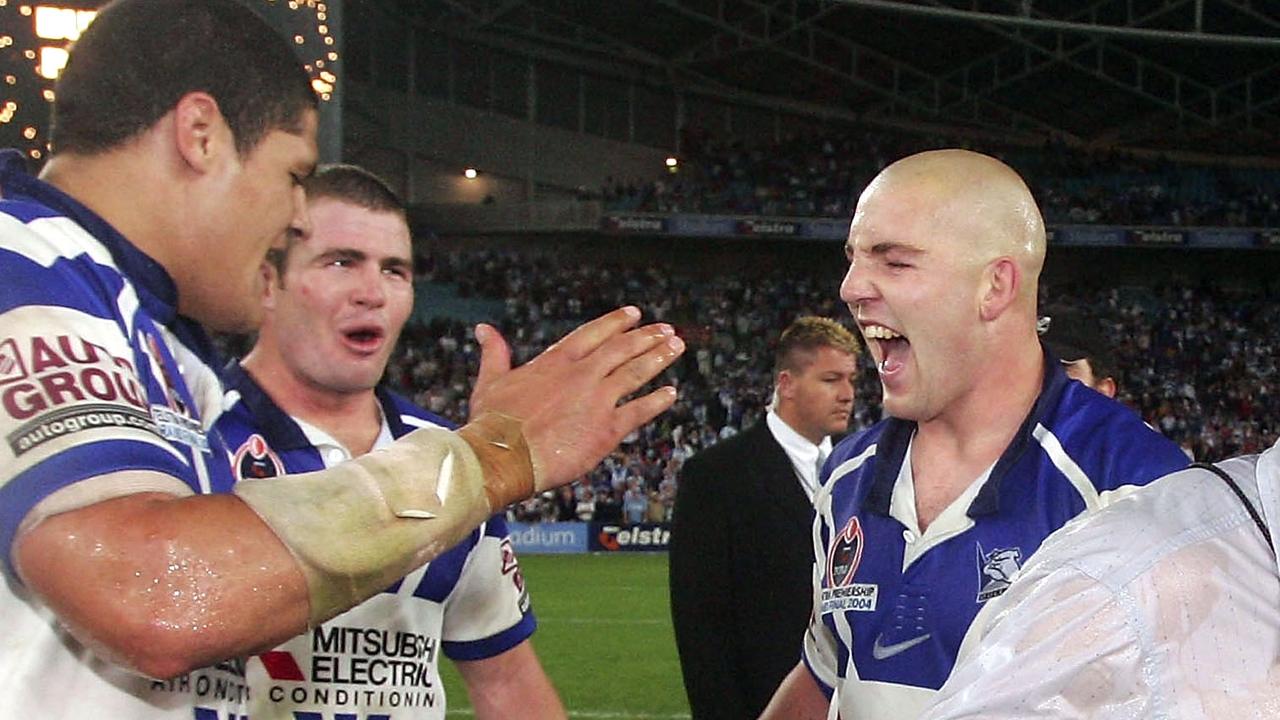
741,545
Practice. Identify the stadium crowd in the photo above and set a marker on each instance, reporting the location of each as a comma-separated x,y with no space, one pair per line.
820,174
1199,364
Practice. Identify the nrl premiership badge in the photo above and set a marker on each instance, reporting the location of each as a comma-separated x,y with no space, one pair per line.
839,592
255,460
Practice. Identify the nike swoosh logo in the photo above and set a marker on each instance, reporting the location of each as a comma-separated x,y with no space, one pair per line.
884,652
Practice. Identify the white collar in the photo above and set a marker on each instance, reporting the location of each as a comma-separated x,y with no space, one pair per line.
804,455
331,450
952,521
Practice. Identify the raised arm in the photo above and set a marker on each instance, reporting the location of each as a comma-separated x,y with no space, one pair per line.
164,584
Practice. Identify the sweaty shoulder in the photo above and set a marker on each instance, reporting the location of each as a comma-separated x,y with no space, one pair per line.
1110,442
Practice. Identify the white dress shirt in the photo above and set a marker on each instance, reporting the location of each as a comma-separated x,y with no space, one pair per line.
1166,604
806,457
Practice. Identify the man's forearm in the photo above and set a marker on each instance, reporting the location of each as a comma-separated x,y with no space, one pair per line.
358,527
511,684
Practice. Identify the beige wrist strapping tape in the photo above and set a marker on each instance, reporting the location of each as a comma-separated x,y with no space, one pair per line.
499,443
358,527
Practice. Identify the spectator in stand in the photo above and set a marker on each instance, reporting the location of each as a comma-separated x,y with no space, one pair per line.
741,542
635,503
1077,343
1198,363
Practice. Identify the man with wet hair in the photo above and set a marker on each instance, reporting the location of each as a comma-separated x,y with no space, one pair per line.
136,568
987,448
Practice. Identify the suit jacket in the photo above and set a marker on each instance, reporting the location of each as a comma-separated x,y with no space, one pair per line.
741,554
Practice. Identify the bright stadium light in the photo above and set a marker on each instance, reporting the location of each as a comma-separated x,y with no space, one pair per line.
470,173
55,23
52,60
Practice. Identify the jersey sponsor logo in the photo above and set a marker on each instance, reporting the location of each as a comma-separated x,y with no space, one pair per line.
996,570
255,460
11,367
224,682
171,393
177,421
840,593
67,421
180,428
47,372
62,385
511,567
355,667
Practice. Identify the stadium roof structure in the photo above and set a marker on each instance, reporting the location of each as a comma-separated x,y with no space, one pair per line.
1198,76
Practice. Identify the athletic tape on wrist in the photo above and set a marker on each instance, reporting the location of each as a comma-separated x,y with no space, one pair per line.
499,443
358,527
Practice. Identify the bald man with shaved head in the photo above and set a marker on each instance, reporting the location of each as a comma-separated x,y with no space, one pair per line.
986,450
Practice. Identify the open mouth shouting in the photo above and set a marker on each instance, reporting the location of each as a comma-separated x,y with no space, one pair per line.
888,346
363,339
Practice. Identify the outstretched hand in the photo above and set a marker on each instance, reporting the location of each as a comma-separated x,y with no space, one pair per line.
568,397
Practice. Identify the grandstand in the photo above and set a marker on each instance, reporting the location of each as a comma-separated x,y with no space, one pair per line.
1144,130
700,158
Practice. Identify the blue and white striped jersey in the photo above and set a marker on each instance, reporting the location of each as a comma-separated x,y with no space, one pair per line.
892,606
380,659
98,374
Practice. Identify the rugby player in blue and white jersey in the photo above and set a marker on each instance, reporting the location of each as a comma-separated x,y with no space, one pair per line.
988,448
307,397
133,578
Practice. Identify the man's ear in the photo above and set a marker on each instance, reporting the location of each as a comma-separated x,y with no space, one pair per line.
270,284
786,384
201,134
1106,386
1001,283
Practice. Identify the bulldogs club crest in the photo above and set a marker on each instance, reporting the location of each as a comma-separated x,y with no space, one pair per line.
996,570
255,460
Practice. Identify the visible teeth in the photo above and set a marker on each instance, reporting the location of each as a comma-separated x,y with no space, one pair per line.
884,364
879,332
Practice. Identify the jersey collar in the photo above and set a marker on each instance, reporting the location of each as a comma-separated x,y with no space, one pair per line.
277,427
891,447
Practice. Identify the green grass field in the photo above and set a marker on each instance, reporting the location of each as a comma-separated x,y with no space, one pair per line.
604,636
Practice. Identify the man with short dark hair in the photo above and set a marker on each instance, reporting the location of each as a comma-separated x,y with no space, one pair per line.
307,397
741,539
128,553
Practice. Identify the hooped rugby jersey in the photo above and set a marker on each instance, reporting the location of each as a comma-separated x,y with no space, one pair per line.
380,659
98,374
892,607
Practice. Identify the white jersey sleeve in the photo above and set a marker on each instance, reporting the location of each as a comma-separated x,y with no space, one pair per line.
488,611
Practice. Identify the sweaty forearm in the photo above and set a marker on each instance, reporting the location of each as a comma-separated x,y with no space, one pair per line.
358,527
